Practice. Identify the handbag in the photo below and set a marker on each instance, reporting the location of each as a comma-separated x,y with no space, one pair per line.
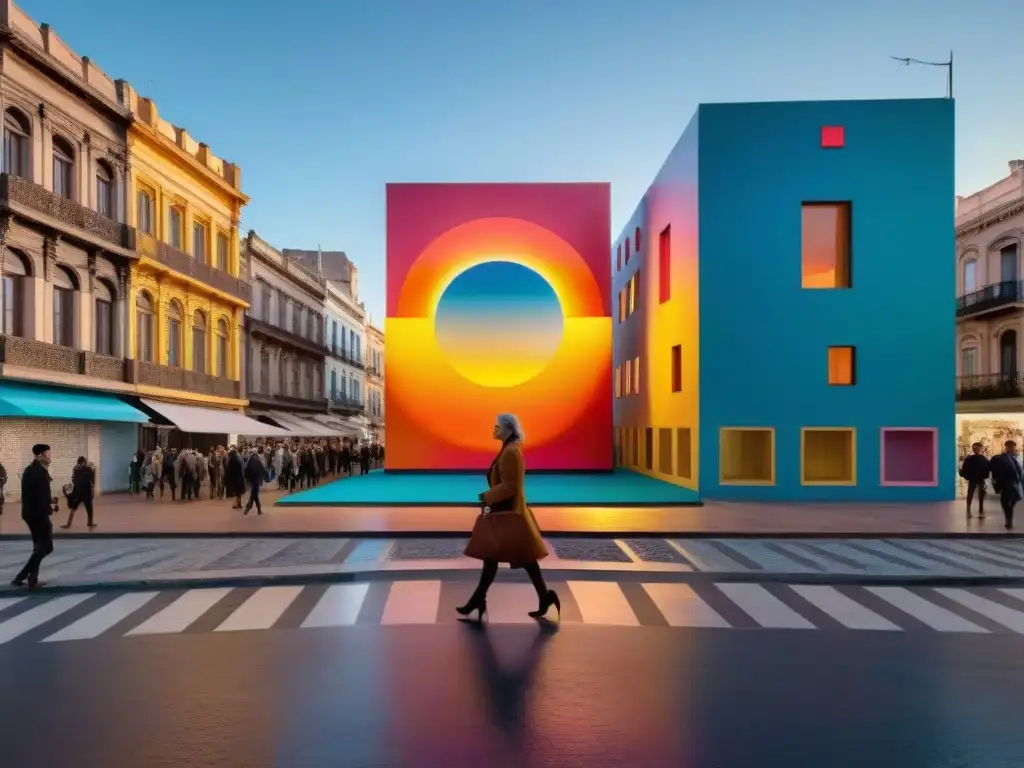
501,536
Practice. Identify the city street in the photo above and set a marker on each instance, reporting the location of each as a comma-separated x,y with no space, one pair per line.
566,695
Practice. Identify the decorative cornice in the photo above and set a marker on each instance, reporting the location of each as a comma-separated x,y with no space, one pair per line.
986,220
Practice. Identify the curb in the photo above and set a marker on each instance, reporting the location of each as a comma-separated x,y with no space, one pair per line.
263,580
436,534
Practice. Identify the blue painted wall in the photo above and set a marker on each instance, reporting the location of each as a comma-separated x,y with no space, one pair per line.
764,339
118,441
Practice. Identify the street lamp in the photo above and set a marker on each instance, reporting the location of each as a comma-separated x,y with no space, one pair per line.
947,64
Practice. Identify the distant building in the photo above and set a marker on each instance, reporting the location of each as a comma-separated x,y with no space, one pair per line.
375,381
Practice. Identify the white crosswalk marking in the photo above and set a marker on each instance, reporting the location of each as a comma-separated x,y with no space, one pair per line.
843,609
179,615
338,607
412,602
935,616
261,610
763,607
682,607
7,602
102,619
602,602
36,617
988,608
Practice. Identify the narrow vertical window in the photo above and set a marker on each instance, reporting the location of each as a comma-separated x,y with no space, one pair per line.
825,245
842,365
629,377
636,375
677,368
665,265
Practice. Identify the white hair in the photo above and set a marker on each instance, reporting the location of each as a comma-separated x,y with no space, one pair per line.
510,427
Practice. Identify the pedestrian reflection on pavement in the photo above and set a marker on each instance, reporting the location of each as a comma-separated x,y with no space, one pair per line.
508,682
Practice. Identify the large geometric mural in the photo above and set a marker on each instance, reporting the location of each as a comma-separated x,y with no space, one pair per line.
498,300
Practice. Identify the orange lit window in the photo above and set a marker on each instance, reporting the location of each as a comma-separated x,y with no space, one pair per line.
677,368
636,240
825,245
618,258
631,308
629,377
665,265
618,381
627,250
636,375
842,366
622,305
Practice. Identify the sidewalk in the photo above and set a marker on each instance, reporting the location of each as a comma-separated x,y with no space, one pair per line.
82,563
122,515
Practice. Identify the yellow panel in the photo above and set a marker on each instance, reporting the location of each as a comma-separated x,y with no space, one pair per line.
747,456
828,456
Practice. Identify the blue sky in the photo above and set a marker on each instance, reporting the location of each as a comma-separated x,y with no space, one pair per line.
322,102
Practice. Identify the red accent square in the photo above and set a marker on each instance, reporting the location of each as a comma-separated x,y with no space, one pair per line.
833,136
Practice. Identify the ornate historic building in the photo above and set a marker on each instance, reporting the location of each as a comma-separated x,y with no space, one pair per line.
375,381
65,257
286,351
187,294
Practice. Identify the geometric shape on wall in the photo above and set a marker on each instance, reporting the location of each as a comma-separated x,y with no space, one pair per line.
665,451
833,136
842,366
684,458
747,456
910,456
498,301
499,324
825,247
828,456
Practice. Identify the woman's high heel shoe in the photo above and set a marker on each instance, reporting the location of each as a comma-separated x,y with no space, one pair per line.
550,599
474,604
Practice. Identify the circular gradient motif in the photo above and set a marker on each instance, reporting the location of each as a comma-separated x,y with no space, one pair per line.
499,324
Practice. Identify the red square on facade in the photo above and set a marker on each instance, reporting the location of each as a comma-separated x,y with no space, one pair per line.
832,137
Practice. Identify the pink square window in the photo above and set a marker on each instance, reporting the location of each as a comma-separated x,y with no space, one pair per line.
833,137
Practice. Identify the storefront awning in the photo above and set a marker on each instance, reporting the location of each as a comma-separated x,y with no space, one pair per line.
39,402
211,421
302,427
339,426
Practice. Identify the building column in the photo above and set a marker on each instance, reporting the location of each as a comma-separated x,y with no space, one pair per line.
124,344
87,307
44,291
127,216
241,358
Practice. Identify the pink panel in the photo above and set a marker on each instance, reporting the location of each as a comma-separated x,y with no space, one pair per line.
910,457
833,136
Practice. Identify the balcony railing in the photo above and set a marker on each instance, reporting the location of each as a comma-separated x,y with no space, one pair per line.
14,189
156,375
15,350
287,401
375,373
991,297
345,403
990,386
275,332
184,264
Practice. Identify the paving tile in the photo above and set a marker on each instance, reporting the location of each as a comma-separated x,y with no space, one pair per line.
655,551
595,550
427,549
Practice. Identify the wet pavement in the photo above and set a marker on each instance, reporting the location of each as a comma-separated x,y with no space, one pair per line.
516,696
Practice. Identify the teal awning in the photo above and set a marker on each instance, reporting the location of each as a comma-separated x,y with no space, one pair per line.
41,402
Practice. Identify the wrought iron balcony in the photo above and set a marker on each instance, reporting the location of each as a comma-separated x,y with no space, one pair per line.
287,402
30,353
345,403
990,386
268,330
186,265
156,375
31,198
991,298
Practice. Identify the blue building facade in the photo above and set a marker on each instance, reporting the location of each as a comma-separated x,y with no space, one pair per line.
810,246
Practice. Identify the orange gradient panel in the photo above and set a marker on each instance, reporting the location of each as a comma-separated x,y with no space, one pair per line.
498,301
825,237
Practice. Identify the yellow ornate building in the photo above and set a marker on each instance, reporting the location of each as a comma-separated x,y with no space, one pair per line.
186,299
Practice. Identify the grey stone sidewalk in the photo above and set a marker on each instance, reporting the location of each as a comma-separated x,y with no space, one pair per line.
123,561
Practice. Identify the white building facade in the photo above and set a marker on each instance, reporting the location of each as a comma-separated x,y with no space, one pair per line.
345,368
375,381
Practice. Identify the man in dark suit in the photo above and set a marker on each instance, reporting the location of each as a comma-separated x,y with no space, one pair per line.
1008,479
36,508
975,470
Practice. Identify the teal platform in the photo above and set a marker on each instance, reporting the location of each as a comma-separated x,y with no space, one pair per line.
620,488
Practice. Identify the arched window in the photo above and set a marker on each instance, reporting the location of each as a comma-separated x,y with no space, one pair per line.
144,212
103,318
17,143
969,361
12,297
174,337
65,286
222,347
144,313
104,189
970,276
63,168
334,384
199,342
628,243
636,240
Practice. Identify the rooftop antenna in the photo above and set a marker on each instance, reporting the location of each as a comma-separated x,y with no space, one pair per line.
906,61
319,262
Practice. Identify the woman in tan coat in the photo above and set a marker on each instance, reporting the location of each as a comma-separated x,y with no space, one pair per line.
507,532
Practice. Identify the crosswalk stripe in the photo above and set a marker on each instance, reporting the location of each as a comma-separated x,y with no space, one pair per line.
763,607
177,616
935,616
7,602
338,606
261,610
412,602
36,617
602,602
102,619
512,603
682,607
988,608
842,608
